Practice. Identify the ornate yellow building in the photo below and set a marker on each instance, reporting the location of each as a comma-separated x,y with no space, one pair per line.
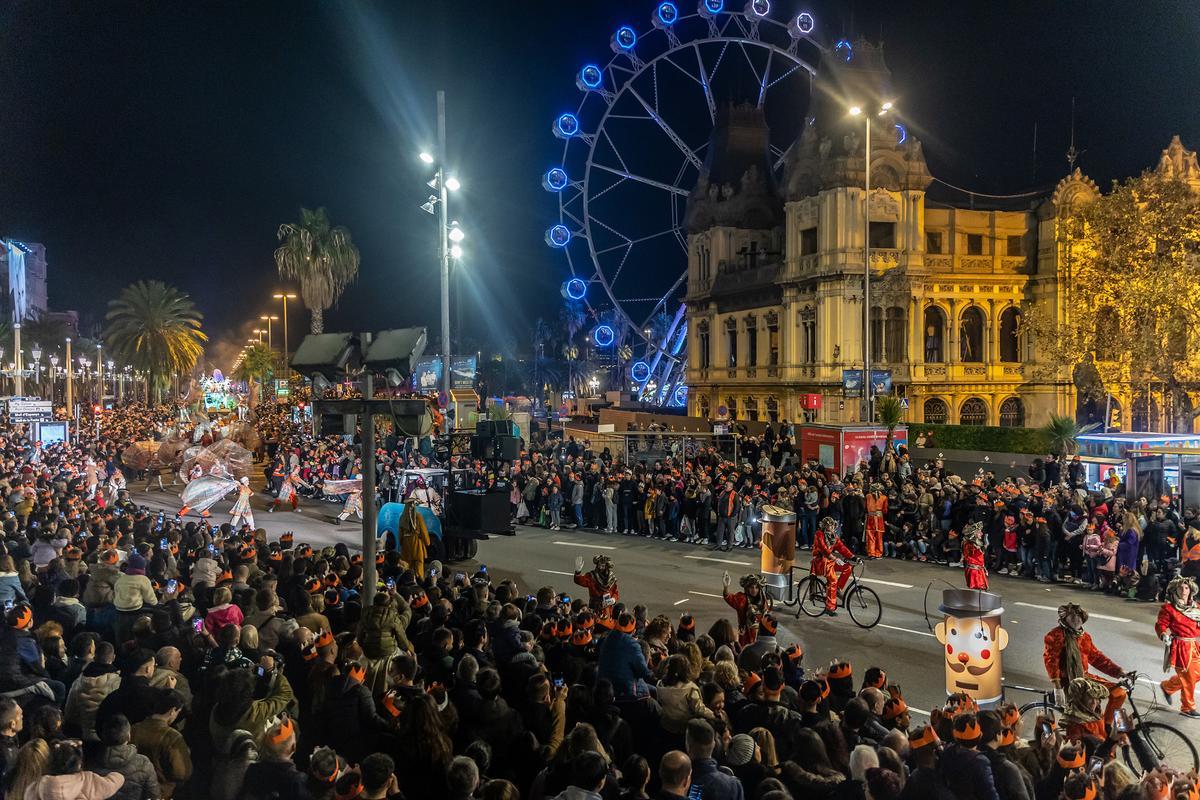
775,276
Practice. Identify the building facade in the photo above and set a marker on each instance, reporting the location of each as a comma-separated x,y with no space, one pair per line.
775,276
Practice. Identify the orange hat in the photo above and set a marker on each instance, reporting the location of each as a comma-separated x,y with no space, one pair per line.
349,786
752,680
109,557
1011,716
357,672
281,733
286,540
275,555
356,559
303,551
894,707
389,703
794,653
249,553
582,638
1007,737
841,669
379,558
324,639
768,624
22,617
584,621
225,576
923,737
565,630
966,729
72,553
626,623
313,585
824,687
331,579
309,652
420,600
1075,762
687,622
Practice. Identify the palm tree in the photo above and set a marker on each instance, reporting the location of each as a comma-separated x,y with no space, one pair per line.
321,257
890,412
156,329
1064,432
256,368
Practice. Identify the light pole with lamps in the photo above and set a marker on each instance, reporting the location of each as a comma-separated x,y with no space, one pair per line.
258,332
70,368
436,204
285,296
868,384
18,378
100,374
53,375
36,352
112,376
269,318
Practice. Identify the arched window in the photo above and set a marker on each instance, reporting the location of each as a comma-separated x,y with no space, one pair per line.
896,335
772,409
1141,418
935,335
970,335
702,407
973,412
876,334
1010,340
936,411
1012,413
703,344
731,404
752,409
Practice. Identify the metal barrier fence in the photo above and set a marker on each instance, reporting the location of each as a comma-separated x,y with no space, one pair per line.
650,446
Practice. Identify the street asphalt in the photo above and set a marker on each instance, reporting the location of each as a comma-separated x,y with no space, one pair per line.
673,578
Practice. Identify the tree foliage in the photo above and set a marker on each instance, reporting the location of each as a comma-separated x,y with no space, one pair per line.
1063,432
257,366
1132,279
156,329
321,257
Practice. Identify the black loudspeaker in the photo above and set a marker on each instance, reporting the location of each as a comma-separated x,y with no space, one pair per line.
495,448
479,511
496,427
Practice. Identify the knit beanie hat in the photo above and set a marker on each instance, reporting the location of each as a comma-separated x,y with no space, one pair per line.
740,750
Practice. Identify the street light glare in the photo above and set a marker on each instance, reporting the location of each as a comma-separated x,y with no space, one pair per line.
426,157
855,111
456,251
887,106
456,235
452,184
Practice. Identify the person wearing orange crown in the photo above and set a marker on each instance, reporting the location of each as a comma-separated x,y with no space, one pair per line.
750,603
974,555
601,584
832,560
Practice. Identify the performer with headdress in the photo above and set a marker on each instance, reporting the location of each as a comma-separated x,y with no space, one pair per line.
241,511
877,508
601,584
353,490
1178,626
832,560
974,556
414,537
287,490
751,603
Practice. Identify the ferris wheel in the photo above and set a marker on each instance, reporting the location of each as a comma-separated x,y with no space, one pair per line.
634,149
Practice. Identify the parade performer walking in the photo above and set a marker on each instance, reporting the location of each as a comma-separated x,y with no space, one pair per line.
601,584
877,508
287,490
414,537
1178,626
974,556
241,511
353,490
1069,653
193,475
116,485
832,560
750,604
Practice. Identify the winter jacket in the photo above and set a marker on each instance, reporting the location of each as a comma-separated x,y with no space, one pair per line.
1127,550
77,786
255,720
87,692
101,580
205,570
220,616
382,629
968,773
20,660
679,705
348,720
1010,784
168,753
69,613
11,589
814,785
131,592
140,781
715,784
622,663
268,780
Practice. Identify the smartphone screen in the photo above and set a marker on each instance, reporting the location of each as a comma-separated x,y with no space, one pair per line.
212,548
558,682
172,585
391,583
162,543
198,624
1095,764
262,671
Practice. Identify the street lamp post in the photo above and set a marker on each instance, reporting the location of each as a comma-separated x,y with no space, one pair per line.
868,385
285,296
100,374
18,379
112,376
69,365
53,375
36,352
269,318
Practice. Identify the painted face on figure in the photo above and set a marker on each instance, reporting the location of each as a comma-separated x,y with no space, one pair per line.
972,651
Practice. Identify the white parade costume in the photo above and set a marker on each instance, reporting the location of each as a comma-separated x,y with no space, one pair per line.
241,510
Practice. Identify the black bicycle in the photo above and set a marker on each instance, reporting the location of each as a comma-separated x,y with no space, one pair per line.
1150,743
860,602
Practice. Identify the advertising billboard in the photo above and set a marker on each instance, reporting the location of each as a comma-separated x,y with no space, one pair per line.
462,371
427,375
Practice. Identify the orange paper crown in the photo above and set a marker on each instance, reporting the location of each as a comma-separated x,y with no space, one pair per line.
923,737
1076,762
282,733
324,639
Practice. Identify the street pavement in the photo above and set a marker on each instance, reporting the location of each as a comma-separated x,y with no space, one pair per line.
673,578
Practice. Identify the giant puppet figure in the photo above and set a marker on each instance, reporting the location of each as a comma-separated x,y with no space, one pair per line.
972,638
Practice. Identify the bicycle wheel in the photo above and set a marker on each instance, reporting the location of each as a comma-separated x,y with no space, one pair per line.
1154,743
864,606
1031,711
811,593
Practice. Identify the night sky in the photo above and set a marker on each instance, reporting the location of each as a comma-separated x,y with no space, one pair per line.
169,140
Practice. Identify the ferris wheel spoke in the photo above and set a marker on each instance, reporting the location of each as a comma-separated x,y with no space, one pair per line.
762,79
671,134
666,187
616,151
783,76
639,240
766,76
780,156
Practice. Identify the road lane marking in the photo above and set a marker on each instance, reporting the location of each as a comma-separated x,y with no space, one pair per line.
1090,614
886,583
918,711
556,572
904,630
706,594
720,560
679,602
583,544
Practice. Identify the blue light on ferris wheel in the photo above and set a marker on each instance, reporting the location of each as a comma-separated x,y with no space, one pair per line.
604,336
625,38
844,50
566,126
756,9
590,77
802,25
666,15
710,8
574,289
558,236
901,134
680,396
640,371
555,179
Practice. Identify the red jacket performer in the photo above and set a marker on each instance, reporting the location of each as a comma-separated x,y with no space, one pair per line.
831,559
974,556
1178,626
601,584
1068,653
750,604
877,508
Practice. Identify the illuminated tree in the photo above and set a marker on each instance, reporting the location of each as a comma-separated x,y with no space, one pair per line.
156,329
321,257
256,368
1132,292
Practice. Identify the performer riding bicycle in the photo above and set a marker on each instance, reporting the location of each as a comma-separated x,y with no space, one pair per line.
1069,654
751,604
833,561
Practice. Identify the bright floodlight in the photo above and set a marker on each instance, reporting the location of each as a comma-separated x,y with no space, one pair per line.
456,251
855,111
456,235
426,157
452,184
886,106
